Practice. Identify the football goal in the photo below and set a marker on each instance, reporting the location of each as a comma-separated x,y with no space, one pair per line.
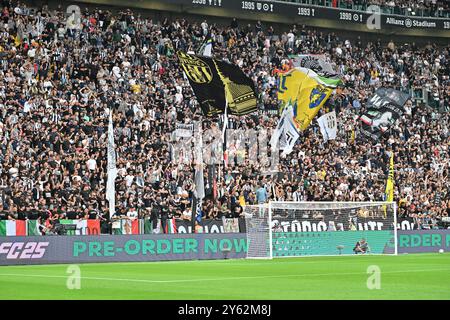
292,229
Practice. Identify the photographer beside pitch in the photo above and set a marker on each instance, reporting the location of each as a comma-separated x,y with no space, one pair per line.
361,247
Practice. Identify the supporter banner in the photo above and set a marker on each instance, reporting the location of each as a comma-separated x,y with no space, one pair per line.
184,130
409,223
120,248
230,225
383,110
205,226
126,226
334,220
297,11
406,224
83,226
217,84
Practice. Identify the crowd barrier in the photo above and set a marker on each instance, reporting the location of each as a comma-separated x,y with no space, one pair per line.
146,226
125,227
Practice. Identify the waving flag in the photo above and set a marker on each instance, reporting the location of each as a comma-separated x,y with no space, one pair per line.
219,86
328,126
286,132
389,192
206,48
112,170
383,110
390,181
316,63
307,91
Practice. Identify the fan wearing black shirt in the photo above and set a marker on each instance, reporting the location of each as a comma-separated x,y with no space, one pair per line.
155,213
164,215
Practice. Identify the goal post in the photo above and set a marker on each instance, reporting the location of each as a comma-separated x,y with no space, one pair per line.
258,229
292,229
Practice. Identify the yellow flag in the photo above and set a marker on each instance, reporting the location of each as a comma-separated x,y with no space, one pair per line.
390,180
17,41
389,192
289,85
306,94
242,201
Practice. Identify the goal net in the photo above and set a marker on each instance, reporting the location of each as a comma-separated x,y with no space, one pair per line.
292,229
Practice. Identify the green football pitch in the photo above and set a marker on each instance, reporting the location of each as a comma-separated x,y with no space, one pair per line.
418,276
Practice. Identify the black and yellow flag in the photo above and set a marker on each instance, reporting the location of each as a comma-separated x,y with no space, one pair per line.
217,84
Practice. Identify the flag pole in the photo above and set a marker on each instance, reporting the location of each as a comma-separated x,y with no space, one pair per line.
194,168
224,139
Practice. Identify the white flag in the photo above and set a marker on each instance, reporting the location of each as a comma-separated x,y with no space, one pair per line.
286,133
206,48
112,170
199,180
328,126
291,136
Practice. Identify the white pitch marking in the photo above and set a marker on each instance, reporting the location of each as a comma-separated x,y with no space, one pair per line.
213,279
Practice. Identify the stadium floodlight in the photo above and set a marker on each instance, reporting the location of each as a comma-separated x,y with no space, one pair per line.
293,229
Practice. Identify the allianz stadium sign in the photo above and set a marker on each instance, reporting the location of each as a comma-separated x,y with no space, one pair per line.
408,23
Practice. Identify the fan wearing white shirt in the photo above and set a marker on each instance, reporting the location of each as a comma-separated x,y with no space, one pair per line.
132,214
129,180
187,214
91,164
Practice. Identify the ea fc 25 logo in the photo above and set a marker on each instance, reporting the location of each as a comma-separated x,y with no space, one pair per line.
23,250
196,69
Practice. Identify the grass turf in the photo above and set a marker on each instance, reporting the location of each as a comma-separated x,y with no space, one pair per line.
419,276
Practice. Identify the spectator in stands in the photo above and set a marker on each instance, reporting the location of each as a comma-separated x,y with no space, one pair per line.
58,85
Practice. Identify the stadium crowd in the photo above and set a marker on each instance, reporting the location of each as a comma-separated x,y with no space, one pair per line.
59,83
